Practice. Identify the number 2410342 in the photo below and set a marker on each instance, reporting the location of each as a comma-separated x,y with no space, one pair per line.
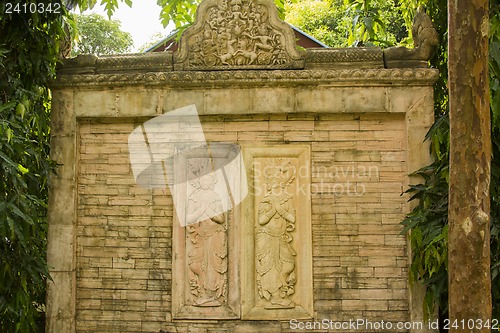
471,324
32,8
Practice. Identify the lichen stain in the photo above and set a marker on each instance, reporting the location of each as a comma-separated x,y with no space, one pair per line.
485,26
467,225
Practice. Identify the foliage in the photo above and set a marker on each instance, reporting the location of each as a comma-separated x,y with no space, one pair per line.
182,12
495,165
29,51
28,56
320,19
341,23
367,25
428,221
99,36
109,5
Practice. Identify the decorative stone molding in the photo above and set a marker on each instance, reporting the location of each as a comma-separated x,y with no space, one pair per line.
346,57
125,63
160,61
391,77
235,34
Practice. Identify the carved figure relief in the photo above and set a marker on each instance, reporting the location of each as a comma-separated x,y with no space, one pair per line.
206,231
205,274
239,36
275,262
237,33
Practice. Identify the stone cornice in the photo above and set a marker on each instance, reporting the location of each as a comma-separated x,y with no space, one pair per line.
330,58
120,64
239,78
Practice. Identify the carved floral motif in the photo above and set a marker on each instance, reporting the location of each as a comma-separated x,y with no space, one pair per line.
275,262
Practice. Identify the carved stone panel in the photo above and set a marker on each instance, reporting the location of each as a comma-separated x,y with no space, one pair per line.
229,34
276,270
204,257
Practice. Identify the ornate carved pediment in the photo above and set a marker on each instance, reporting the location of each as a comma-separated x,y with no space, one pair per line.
236,34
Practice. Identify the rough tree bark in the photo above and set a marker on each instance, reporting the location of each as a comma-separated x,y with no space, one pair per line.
470,155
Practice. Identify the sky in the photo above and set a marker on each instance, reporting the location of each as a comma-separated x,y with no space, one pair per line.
142,20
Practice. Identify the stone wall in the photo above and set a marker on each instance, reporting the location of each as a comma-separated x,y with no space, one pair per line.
122,243
117,252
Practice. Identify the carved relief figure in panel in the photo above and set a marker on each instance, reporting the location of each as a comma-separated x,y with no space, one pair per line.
237,32
275,264
206,231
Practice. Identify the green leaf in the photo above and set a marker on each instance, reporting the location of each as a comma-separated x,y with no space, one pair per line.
10,224
417,236
19,213
9,132
409,223
7,106
7,160
22,169
21,110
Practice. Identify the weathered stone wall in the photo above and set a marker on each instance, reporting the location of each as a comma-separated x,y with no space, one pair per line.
111,250
124,232
343,126
122,240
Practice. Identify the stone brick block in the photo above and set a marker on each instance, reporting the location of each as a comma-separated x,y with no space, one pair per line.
273,100
227,101
360,100
175,99
241,126
62,196
94,103
60,312
320,100
62,117
138,103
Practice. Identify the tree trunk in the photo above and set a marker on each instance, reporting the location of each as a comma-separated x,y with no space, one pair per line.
470,155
